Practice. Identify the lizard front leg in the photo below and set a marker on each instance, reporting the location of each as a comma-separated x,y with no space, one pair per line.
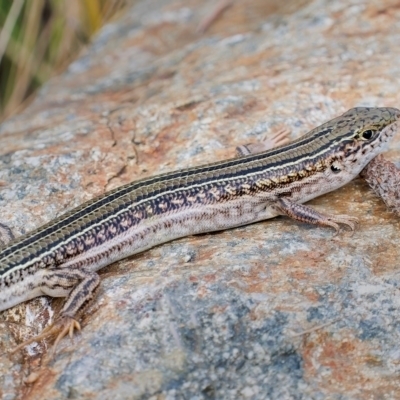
287,207
6,234
279,138
303,213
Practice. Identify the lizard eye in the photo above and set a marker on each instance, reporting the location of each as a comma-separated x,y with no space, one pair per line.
366,135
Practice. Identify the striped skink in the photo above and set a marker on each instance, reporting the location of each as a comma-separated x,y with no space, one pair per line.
61,258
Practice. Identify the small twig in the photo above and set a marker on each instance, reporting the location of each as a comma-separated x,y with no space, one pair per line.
220,8
315,328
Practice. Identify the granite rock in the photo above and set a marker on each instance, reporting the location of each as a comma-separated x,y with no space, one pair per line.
274,310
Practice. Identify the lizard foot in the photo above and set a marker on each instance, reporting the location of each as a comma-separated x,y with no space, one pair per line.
63,326
335,220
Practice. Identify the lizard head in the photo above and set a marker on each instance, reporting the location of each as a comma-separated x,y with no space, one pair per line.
365,132
356,137
332,154
372,128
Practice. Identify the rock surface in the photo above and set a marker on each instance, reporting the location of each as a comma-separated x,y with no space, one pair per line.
275,310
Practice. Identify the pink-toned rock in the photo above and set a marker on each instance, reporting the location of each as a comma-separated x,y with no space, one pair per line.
275,310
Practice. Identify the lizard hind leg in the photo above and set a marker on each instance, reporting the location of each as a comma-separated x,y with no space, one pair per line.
84,284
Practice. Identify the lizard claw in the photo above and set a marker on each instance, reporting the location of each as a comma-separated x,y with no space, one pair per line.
346,220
